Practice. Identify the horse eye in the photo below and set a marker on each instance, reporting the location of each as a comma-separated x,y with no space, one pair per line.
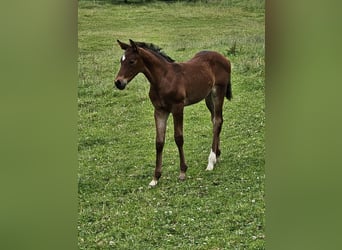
131,62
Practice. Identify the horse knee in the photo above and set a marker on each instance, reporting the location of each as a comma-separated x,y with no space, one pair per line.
218,120
159,146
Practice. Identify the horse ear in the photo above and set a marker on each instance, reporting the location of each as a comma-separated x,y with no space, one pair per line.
134,46
123,46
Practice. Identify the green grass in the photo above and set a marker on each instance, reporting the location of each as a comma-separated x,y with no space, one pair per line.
222,209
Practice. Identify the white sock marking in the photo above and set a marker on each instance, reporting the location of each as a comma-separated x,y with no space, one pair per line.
153,183
211,161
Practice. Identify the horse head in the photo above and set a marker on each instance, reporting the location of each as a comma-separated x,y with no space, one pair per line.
131,64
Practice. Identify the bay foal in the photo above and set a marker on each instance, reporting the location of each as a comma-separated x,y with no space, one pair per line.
174,86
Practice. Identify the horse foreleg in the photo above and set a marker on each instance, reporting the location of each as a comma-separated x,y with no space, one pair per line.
177,114
160,118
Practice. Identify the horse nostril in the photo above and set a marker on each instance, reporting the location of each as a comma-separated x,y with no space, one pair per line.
120,85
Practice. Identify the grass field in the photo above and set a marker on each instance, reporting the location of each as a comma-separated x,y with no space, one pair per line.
222,209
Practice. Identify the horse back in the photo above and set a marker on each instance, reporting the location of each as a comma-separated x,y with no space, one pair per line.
215,64
214,59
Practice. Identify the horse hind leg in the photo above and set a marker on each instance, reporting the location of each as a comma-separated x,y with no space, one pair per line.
217,98
177,113
210,105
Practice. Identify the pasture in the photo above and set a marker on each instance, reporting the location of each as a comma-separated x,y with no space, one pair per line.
221,209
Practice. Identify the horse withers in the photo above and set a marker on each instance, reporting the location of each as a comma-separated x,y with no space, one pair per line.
174,86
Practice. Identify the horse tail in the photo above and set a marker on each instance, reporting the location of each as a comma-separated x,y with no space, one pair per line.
229,94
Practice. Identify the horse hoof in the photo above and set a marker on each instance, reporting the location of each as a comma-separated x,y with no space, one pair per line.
182,176
210,167
153,183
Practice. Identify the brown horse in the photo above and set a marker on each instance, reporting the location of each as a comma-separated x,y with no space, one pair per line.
175,85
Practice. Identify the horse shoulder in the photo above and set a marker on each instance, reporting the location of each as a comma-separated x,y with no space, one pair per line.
167,94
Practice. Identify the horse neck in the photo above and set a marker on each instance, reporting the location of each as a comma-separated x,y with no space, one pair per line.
155,67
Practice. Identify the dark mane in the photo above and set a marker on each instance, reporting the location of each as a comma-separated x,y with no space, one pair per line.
155,49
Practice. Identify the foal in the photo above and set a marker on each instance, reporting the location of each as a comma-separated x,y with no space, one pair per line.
175,85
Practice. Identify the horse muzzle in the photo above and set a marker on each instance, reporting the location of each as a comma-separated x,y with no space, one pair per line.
120,84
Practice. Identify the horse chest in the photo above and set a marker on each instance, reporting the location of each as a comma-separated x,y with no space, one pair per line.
165,98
